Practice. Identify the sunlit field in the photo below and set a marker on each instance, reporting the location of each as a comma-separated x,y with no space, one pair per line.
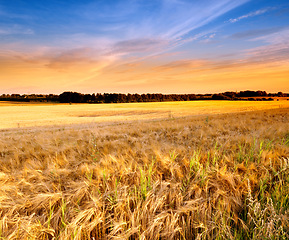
173,170
19,115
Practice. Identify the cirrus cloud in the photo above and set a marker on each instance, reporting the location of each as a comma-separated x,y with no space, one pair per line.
251,14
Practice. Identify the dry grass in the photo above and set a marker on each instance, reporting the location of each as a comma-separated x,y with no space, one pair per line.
19,115
220,176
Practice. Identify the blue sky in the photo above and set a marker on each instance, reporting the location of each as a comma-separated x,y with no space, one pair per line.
140,46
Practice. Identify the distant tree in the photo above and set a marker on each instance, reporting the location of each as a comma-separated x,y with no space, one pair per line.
220,97
261,93
73,97
248,93
230,94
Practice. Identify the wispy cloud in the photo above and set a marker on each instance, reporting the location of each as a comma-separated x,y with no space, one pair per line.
251,14
276,49
144,29
15,29
191,16
209,38
280,37
165,20
139,45
184,65
256,33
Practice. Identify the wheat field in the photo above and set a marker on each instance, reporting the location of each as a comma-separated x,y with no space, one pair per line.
217,170
19,115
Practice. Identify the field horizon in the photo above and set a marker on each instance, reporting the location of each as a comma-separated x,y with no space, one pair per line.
19,114
76,97
220,174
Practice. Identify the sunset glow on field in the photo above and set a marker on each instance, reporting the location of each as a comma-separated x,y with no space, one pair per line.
166,46
23,115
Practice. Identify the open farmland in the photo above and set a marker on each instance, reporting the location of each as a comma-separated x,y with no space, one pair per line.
18,115
176,170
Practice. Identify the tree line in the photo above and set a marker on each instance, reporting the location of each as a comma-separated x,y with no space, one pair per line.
75,97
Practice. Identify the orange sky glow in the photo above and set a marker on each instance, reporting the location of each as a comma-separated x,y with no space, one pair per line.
164,46
109,75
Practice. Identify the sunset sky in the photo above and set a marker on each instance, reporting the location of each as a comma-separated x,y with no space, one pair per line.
144,46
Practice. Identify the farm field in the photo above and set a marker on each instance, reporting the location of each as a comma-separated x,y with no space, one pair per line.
19,115
175,170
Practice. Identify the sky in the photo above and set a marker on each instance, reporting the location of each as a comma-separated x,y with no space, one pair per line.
143,46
